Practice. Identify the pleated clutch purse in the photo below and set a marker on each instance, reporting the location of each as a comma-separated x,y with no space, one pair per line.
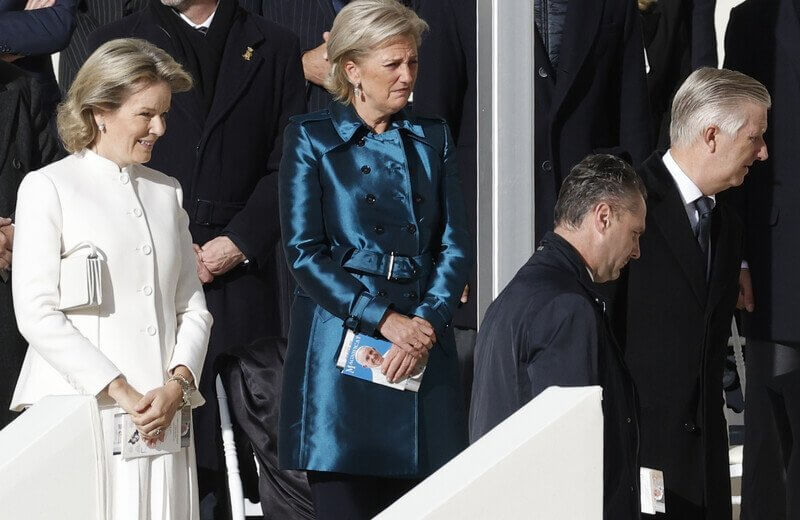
81,282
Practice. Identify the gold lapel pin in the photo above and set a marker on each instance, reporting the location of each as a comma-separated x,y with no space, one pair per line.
248,54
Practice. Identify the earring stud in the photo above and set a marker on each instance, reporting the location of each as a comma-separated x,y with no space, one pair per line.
102,127
357,90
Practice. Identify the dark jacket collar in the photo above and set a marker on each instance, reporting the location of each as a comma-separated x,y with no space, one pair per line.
347,121
555,250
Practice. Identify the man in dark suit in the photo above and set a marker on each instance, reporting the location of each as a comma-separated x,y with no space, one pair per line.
591,91
224,144
90,15
674,306
25,145
549,327
762,40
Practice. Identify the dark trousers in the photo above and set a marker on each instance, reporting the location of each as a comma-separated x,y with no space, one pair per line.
465,347
771,477
338,496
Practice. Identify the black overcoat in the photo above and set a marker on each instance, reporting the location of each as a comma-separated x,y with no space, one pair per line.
679,37
227,165
595,98
549,327
447,87
25,145
674,327
768,198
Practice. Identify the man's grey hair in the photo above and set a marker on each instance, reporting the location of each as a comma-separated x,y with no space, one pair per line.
597,178
713,97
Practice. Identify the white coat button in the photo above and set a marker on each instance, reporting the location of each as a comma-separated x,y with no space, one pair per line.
123,178
147,290
151,330
137,212
146,249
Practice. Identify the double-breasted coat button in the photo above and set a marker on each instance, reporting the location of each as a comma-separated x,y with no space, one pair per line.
411,295
378,229
147,290
365,169
542,72
547,166
382,293
16,164
411,228
418,198
137,212
151,330
689,427
370,198
146,249
628,420
361,142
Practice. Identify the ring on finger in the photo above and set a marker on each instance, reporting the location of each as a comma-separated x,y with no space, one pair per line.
157,432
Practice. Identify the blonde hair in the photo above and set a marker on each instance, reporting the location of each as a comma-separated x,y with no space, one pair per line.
109,76
713,97
361,27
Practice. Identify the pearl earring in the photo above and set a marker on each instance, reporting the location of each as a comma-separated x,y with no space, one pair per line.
102,127
357,90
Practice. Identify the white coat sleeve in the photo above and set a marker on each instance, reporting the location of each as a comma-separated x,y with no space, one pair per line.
35,279
194,320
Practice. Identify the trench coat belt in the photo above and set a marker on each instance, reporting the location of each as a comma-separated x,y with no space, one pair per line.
389,265
214,213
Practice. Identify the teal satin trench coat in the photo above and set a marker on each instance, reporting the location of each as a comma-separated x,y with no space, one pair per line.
352,204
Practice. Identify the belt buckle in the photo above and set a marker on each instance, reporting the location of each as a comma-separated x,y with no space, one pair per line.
391,266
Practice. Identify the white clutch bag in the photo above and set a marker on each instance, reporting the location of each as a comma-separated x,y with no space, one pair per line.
81,282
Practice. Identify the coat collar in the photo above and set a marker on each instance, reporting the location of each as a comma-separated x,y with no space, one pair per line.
347,122
567,257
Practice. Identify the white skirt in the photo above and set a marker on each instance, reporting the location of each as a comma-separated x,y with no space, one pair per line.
149,488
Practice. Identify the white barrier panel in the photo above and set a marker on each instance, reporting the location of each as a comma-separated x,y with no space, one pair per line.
50,462
543,462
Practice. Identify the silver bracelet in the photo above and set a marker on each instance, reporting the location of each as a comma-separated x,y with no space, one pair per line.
186,387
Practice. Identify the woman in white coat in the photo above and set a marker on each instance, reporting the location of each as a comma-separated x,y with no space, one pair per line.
141,350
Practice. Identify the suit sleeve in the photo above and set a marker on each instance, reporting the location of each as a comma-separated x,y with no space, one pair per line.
563,343
255,229
38,31
704,35
305,241
194,320
635,127
451,268
37,265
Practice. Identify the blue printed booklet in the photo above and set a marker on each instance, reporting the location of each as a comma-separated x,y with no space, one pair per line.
361,356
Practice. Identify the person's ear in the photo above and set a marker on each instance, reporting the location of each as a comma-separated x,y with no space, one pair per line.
99,117
710,136
602,217
353,72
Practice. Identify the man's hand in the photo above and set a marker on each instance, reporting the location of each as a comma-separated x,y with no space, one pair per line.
6,242
220,255
39,4
9,58
745,301
202,271
315,62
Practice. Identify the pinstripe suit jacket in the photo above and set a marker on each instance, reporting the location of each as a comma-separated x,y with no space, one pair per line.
91,15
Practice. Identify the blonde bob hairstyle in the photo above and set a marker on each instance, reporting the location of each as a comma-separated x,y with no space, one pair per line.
109,76
361,27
